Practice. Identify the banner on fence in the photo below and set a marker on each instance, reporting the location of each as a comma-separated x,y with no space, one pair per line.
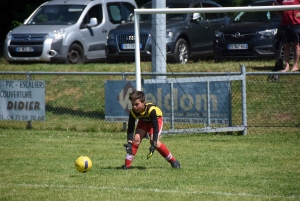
189,101
22,100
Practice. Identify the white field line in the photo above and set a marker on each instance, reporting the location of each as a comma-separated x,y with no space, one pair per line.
145,190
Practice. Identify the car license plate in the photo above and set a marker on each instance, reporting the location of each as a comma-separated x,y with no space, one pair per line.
129,46
24,49
237,46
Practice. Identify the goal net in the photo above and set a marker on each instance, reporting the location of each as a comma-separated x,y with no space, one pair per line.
193,99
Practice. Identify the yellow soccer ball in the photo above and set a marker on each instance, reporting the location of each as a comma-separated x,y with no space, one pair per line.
83,164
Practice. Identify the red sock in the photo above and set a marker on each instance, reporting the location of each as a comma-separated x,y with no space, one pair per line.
164,152
129,158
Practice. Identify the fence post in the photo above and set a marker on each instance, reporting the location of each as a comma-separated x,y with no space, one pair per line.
29,125
172,105
208,103
124,123
244,106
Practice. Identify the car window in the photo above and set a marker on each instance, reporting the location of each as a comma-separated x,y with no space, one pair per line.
57,15
256,16
199,15
94,12
222,15
210,16
175,17
119,12
180,16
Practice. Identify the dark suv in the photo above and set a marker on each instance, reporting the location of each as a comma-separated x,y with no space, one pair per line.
250,35
187,35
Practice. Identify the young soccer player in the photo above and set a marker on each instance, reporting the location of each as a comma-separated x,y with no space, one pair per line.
150,121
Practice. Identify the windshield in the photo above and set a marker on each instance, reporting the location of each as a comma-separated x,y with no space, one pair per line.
175,17
256,16
56,15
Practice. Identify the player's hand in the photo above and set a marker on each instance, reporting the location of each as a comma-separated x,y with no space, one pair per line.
128,148
151,151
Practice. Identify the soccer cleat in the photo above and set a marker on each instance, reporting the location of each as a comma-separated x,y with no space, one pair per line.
175,164
124,167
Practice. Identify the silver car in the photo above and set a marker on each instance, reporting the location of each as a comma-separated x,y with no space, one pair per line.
72,31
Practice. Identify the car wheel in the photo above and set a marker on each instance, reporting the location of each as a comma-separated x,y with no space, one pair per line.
75,55
281,52
182,51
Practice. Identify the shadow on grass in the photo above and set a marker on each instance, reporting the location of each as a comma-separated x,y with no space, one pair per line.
265,68
121,168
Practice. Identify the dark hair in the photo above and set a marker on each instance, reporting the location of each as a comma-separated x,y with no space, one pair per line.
137,95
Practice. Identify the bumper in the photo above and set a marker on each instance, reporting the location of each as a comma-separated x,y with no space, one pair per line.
114,51
256,49
49,51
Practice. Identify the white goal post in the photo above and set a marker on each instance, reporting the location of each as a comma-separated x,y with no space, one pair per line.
138,12
197,101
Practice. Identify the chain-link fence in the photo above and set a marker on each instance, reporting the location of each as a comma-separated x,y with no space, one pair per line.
76,102
273,102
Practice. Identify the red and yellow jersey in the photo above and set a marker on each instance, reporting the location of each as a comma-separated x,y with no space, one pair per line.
145,116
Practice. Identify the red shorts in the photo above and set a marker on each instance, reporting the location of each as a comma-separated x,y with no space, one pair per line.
147,126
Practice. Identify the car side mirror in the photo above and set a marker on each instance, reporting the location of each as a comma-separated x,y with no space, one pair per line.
93,22
196,17
130,18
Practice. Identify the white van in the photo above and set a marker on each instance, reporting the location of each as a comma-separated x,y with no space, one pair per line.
68,31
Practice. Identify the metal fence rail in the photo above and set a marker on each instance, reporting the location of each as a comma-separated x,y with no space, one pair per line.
76,101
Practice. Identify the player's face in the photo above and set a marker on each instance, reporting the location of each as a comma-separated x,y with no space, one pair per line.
138,106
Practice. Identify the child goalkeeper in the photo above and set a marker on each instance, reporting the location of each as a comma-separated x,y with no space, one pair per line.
150,121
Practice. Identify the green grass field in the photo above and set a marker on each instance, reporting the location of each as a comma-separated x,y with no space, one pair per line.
39,165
